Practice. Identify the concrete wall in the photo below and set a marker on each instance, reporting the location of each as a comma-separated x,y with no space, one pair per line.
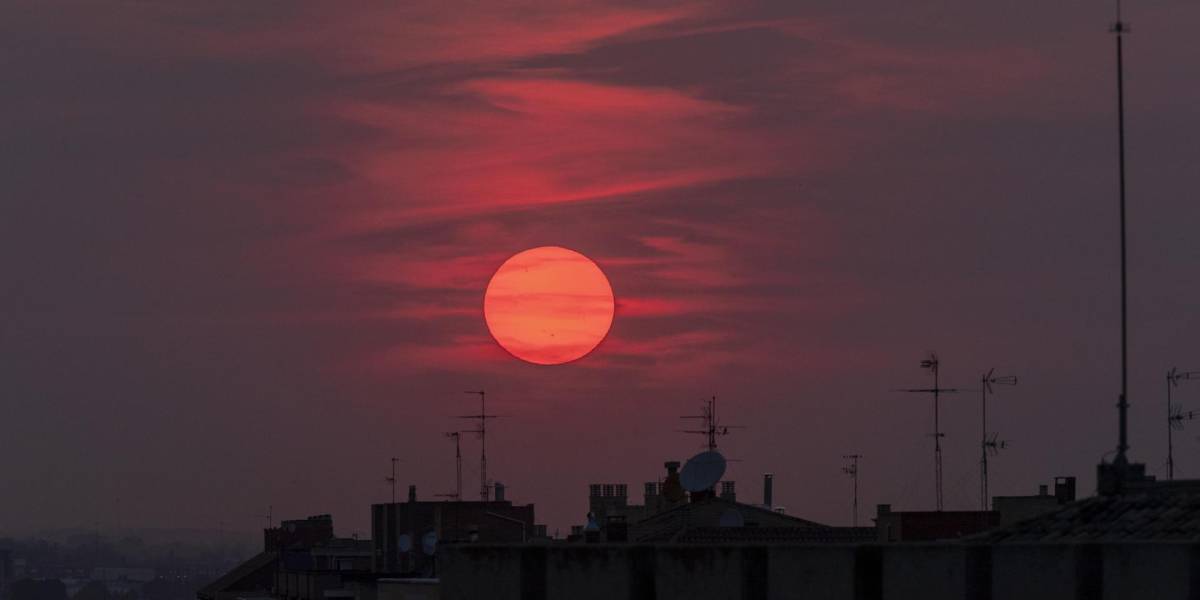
929,571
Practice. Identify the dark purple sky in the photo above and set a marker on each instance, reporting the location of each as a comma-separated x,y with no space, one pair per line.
245,246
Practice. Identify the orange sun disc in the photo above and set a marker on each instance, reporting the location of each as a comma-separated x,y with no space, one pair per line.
548,305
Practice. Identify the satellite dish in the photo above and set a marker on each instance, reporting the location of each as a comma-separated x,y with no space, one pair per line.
429,543
732,518
404,542
702,471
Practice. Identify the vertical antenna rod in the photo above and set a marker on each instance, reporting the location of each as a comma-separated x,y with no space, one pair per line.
482,431
932,363
392,479
1119,28
852,471
457,464
988,445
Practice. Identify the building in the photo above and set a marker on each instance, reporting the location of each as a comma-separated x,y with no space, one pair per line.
930,525
399,530
301,560
669,514
1142,542
6,573
713,520
254,578
1019,508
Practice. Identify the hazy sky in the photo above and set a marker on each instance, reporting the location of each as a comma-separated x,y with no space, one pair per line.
245,246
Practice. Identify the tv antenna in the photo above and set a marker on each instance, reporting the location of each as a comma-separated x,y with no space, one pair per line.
269,517
852,470
482,417
457,495
988,446
392,479
936,391
1175,415
712,428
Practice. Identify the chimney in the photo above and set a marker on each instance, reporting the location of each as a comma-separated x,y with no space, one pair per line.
1043,490
729,491
883,509
768,484
412,493
1064,489
499,491
672,490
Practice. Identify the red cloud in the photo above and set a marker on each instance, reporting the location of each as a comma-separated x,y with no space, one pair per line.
520,142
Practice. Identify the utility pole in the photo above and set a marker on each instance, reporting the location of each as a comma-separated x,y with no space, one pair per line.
988,445
1176,416
482,417
936,391
852,471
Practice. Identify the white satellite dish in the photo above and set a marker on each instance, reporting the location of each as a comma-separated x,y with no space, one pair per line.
429,543
702,471
404,542
732,518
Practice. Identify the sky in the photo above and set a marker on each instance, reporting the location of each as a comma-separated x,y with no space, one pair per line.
245,247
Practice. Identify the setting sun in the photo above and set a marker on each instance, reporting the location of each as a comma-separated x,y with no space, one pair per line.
548,305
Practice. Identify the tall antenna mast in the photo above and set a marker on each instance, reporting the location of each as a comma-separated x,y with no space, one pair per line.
988,444
712,427
936,391
1175,415
392,479
852,470
1120,28
484,488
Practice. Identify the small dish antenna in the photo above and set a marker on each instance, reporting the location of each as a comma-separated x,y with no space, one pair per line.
732,518
702,471
429,543
404,542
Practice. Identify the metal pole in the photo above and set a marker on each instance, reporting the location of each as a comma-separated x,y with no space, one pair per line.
983,448
483,486
852,471
937,438
458,467
1123,405
393,480
1170,441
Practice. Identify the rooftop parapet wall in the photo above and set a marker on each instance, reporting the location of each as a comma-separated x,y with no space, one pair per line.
933,571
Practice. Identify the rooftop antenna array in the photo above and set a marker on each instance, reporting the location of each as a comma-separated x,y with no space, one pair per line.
1120,28
989,445
392,479
712,427
936,391
852,470
1175,415
482,417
